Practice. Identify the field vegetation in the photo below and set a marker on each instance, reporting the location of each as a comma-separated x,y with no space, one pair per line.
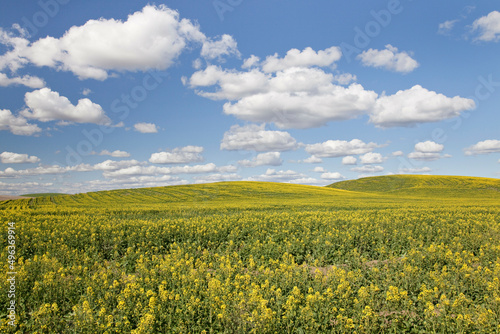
417,254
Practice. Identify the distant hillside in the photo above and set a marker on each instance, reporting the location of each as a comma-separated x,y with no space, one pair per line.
239,192
424,185
42,194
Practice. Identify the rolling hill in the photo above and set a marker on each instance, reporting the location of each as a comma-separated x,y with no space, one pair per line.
434,186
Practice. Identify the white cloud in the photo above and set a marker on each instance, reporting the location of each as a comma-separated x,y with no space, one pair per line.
253,60
484,147
145,128
332,176
47,105
24,188
428,147
340,148
302,98
293,97
40,170
120,169
254,137
226,46
397,153
16,158
179,155
349,160
312,160
27,80
389,59
111,165
345,78
319,170
371,158
415,170
114,154
417,105
152,38
271,175
427,156
129,182
428,151
263,159
86,91
368,169
305,58
445,27
18,125
197,64
488,27
233,85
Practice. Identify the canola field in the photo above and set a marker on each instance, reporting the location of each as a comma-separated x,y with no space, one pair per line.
253,257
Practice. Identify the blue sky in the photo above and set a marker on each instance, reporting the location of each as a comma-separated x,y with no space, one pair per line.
119,94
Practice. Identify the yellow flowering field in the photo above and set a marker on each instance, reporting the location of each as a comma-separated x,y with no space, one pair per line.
254,257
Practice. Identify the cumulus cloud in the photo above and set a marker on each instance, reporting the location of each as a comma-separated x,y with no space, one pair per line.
16,158
417,105
271,175
488,27
312,160
110,165
340,148
250,61
114,154
389,59
18,125
226,46
484,147
397,153
305,58
24,188
349,160
428,151
47,105
263,159
371,158
179,155
344,78
145,127
26,80
40,170
332,176
254,137
319,170
429,147
115,170
370,169
291,97
155,38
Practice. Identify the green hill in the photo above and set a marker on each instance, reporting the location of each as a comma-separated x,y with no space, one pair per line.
42,194
238,193
424,186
